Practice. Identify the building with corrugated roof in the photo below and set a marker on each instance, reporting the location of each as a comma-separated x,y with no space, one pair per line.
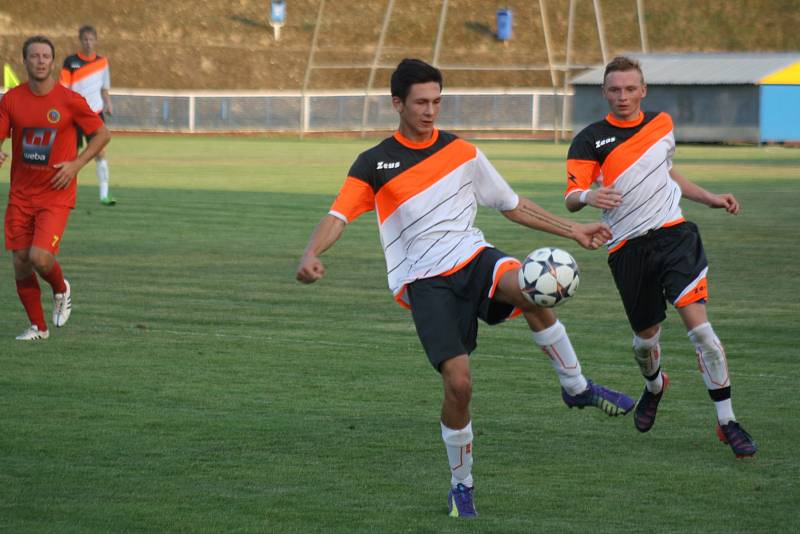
719,97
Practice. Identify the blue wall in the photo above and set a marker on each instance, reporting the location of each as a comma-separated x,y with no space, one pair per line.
780,113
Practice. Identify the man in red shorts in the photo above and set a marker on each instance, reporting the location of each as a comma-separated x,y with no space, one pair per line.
40,117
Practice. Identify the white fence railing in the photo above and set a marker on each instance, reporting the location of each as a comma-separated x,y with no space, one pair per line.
330,111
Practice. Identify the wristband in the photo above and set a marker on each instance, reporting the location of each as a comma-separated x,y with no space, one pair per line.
582,197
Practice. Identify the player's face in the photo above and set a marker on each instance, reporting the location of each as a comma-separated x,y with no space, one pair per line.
419,111
624,91
88,41
39,62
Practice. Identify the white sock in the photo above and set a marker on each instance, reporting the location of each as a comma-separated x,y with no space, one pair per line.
724,411
555,343
459,453
647,353
101,168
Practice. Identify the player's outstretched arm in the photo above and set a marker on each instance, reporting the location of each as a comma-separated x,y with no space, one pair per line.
694,192
528,213
67,170
602,197
327,232
3,155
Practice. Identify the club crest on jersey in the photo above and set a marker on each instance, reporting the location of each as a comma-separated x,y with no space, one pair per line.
388,165
53,116
603,142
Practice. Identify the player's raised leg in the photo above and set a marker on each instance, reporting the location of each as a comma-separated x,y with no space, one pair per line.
551,336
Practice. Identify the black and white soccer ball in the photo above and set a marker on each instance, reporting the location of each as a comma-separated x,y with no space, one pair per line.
549,276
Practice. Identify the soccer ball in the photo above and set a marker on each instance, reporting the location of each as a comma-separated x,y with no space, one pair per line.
549,276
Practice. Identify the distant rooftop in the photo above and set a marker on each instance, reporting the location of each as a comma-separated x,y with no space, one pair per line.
705,68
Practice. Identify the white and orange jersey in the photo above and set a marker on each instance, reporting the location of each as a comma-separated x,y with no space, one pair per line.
635,158
425,196
87,76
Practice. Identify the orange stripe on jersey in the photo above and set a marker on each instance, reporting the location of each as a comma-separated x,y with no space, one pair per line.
621,158
665,225
580,174
90,68
673,223
617,246
65,78
698,292
462,264
421,176
355,197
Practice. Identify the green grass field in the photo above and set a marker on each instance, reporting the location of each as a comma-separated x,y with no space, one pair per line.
199,388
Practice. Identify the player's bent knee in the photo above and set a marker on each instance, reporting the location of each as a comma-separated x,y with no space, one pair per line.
41,260
457,382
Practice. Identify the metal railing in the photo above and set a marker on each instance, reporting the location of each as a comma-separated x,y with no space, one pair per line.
330,111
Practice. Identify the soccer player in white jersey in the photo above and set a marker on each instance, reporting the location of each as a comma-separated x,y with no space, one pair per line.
623,165
88,74
425,185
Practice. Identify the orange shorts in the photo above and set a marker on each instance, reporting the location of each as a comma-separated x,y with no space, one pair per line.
35,226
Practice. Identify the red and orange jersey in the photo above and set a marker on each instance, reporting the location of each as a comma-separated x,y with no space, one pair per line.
87,76
635,158
43,134
425,196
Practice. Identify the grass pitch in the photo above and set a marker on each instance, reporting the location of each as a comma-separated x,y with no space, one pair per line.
199,388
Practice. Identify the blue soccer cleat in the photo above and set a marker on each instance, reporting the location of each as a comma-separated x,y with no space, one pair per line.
611,402
460,502
740,441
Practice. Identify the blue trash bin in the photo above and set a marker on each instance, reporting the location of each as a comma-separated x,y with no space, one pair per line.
277,12
504,20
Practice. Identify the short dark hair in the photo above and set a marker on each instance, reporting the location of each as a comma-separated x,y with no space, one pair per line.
411,71
86,28
623,64
36,39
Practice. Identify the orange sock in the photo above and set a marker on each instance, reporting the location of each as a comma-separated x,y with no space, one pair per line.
56,279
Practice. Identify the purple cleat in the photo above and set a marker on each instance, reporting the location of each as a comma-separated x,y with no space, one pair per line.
645,416
460,502
611,402
740,441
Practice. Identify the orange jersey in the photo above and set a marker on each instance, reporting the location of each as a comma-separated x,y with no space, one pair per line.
635,158
43,134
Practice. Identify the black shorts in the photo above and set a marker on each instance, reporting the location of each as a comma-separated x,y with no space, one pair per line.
82,136
446,308
668,264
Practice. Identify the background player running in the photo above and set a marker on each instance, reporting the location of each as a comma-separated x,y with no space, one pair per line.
654,254
40,117
425,185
